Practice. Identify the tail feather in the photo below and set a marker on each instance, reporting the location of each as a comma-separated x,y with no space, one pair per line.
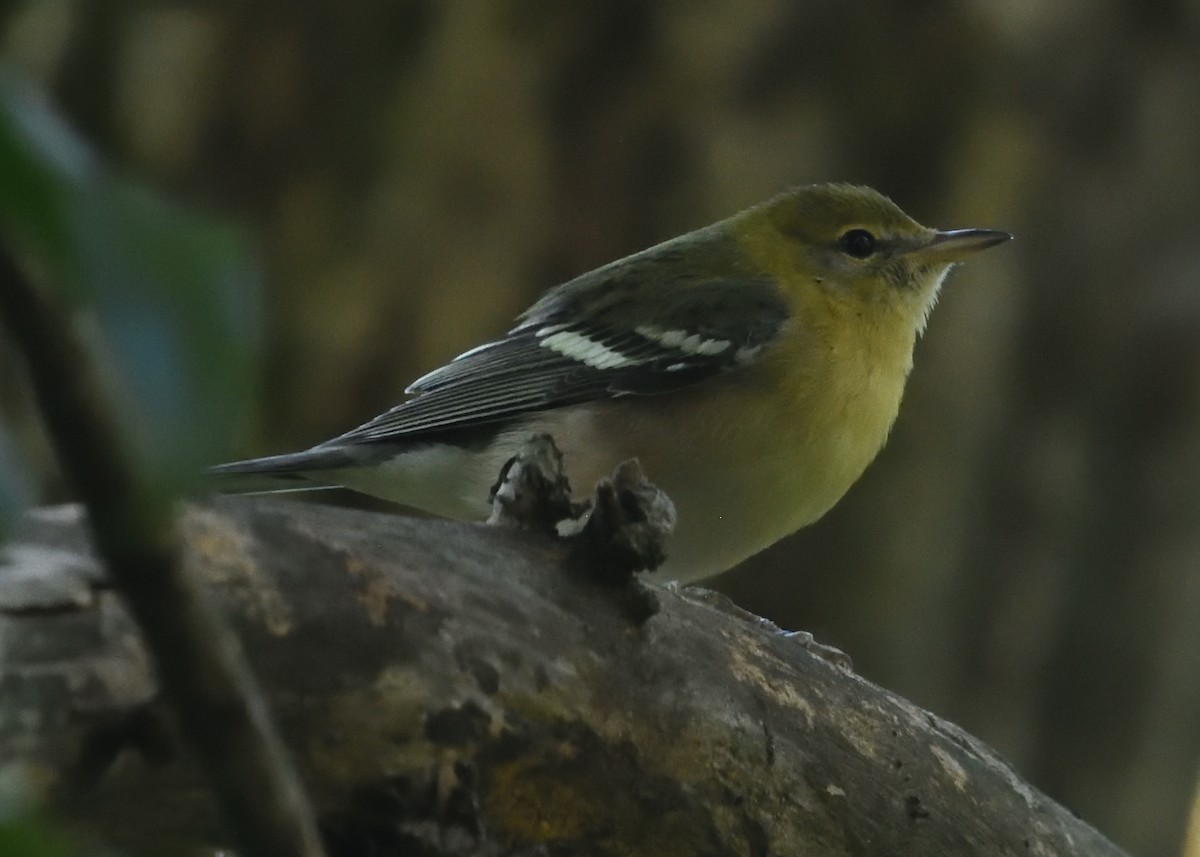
293,471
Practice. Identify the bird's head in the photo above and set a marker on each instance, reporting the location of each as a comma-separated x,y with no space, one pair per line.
858,247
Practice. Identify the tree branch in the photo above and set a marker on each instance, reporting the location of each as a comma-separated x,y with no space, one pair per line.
454,689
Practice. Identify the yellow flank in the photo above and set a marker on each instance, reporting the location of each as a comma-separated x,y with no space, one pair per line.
755,367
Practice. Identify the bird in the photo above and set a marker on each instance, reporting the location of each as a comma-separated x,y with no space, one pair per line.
754,367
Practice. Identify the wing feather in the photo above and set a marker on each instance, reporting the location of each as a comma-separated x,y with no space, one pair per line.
562,354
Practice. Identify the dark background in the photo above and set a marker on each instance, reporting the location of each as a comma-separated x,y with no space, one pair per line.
1024,557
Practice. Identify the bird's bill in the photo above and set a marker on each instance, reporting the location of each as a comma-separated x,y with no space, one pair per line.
955,244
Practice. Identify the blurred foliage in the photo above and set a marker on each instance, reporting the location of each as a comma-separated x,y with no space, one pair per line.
1024,557
28,837
14,483
167,298
174,296
22,832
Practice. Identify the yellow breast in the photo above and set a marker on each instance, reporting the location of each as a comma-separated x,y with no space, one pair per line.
750,457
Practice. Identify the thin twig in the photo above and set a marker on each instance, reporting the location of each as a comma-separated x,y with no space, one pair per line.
199,662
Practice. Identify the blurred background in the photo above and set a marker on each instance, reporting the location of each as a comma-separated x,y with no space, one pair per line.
1024,556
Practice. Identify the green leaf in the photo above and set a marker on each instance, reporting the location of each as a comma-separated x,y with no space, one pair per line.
176,295
39,158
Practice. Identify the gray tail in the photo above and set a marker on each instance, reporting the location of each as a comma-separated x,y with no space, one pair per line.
294,471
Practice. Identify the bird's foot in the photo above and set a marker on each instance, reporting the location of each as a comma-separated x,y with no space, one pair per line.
620,532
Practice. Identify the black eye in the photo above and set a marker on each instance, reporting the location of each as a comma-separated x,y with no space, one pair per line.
858,243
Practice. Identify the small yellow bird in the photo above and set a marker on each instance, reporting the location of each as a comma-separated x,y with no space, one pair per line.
754,366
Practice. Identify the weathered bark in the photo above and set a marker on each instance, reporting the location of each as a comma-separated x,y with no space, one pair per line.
449,689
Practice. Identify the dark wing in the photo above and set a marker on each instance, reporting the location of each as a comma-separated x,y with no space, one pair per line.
568,350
